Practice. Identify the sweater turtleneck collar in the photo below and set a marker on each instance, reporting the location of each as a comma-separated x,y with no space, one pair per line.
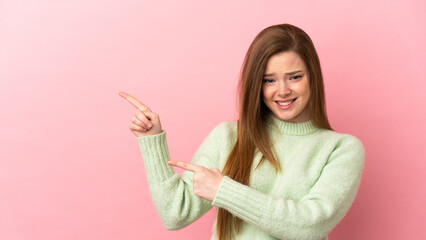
291,128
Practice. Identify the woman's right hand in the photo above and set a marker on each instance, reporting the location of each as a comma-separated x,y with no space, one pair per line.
144,122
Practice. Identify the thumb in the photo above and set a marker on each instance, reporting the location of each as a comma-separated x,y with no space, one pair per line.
152,116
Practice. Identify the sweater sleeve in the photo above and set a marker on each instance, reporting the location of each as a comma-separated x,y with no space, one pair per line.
315,214
173,195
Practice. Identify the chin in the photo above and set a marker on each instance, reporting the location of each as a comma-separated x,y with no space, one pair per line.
284,118
288,118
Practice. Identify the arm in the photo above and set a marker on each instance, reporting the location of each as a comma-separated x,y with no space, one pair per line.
316,214
172,195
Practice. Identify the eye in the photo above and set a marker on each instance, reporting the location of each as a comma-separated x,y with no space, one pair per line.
268,80
295,77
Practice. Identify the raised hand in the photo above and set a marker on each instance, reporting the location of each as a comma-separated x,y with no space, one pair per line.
206,181
144,122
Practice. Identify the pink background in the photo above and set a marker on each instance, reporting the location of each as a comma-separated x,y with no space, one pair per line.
71,169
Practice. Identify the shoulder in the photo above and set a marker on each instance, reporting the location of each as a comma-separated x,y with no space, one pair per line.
216,144
350,140
341,139
345,146
223,133
226,128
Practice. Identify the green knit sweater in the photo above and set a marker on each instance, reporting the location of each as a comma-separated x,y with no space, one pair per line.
321,173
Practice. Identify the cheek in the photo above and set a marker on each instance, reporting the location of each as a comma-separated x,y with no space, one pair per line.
304,89
306,92
266,93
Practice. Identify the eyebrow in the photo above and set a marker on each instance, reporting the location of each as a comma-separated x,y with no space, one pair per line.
289,73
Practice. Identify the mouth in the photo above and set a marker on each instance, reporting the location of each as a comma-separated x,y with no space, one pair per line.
285,103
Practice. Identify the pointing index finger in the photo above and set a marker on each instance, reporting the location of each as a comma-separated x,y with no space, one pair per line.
132,100
187,166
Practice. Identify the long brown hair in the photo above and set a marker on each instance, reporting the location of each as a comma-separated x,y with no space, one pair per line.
252,132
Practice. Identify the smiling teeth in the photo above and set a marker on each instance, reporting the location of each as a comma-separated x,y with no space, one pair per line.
285,103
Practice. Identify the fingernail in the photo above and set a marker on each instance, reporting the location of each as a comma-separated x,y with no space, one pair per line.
149,125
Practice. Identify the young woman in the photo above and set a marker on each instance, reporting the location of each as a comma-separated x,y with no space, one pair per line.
280,171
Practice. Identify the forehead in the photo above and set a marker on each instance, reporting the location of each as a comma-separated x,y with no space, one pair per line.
285,62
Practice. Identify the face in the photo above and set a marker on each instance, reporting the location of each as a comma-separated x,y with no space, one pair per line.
285,87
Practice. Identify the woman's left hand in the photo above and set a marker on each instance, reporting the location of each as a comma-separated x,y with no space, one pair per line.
206,181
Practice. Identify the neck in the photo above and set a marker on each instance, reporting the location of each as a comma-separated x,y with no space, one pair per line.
290,128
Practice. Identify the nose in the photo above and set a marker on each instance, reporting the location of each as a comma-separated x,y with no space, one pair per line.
283,89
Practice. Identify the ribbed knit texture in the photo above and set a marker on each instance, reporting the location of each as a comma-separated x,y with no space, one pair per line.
321,173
